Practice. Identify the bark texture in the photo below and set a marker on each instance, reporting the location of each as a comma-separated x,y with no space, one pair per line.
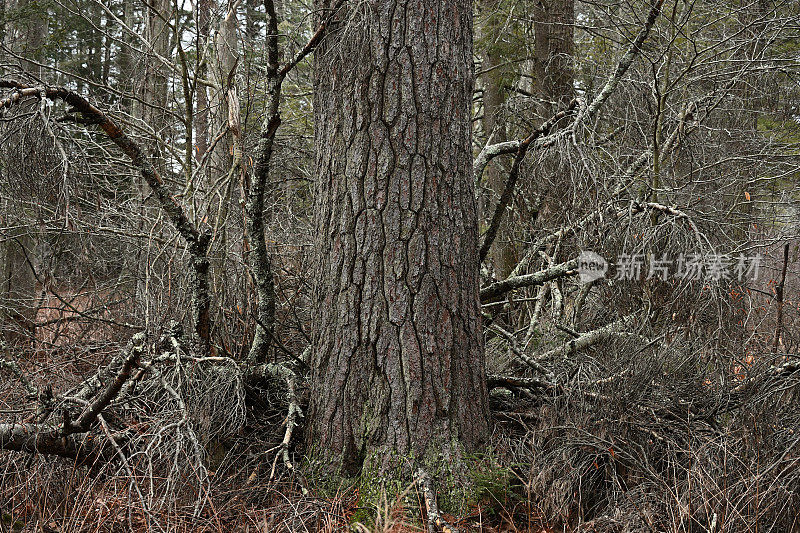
398,349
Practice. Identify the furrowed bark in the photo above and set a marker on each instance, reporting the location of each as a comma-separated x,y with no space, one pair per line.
398,350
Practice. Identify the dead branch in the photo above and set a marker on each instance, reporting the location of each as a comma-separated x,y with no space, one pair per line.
71,439
435,520
567,268
294,412
489,152
587,339
508,191
525,358
197,241
494,381
626,61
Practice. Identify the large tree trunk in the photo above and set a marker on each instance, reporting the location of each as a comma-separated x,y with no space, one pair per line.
398,350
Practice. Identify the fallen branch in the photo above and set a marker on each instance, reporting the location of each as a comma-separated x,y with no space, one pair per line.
786,369
675,212
588,339
587,111
435,520
294,412
111,391
494,381
92,385
62,440
568,268
624,63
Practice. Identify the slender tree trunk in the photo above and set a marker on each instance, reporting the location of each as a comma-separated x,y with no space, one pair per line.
151,109
553,80
17,282
19,243
156,79
222,70
398,362
225,157
554,30
201,120
256,188
502,255
32,36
